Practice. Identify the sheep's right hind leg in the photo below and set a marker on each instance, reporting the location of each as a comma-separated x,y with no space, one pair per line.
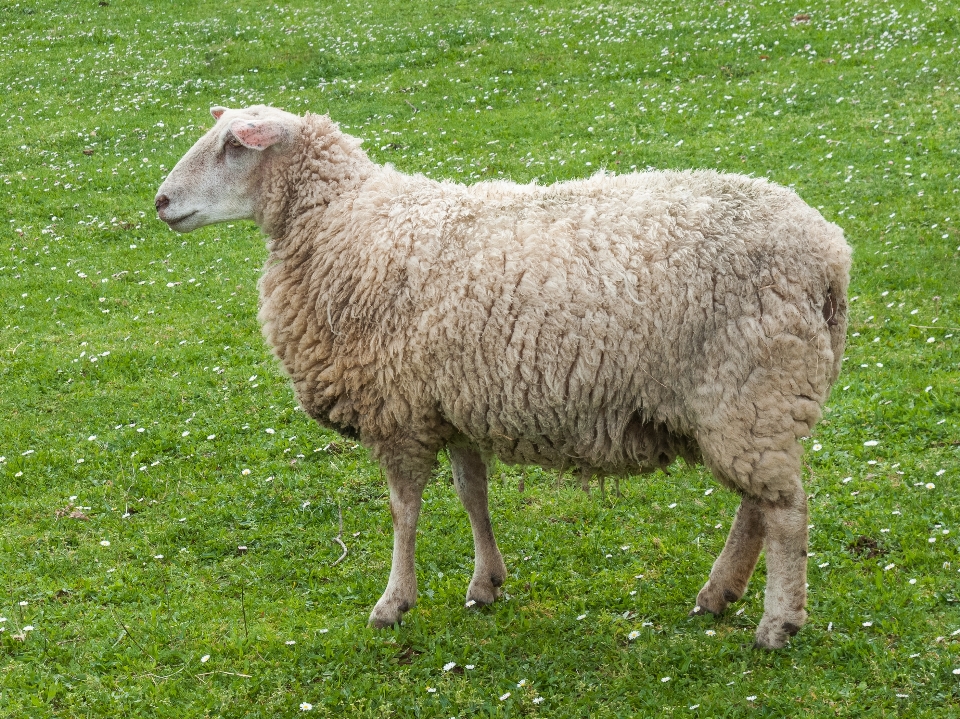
785,543
732,569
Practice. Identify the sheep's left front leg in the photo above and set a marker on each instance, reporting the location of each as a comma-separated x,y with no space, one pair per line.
406,495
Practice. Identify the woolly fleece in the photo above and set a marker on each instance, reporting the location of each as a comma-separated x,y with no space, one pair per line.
610,323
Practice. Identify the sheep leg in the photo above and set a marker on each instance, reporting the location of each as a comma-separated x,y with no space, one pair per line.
470,480
406,495
785,545
585,476
732,570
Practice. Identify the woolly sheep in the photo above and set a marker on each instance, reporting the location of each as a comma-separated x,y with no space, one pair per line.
607,324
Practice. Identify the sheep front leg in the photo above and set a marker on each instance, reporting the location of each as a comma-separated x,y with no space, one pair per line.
732,570
470,480
786,550
406,495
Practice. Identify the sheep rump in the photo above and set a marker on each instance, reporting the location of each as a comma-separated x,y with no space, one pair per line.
607,324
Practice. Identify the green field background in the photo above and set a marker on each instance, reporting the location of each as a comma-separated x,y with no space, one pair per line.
147,434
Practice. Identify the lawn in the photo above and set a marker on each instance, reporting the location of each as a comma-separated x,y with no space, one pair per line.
169,515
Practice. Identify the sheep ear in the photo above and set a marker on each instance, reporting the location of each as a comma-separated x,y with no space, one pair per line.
217,111
258,134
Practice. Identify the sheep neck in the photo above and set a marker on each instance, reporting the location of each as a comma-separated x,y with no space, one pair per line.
324,165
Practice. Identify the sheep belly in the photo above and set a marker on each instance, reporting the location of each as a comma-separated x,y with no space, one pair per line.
641,447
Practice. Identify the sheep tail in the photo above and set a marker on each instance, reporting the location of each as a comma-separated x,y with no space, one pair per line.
831,309
835,306
835,316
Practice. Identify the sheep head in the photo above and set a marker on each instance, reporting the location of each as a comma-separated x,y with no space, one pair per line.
221,176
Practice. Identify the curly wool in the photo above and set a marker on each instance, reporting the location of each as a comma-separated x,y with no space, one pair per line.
609,324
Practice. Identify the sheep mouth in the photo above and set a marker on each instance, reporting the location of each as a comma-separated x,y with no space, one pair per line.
177,220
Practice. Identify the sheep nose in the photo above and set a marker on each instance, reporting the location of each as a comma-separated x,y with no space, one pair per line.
162,202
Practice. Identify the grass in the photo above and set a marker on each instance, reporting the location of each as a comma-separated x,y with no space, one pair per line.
137,391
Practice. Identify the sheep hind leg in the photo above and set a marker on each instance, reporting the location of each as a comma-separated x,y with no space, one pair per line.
470,480
406,496
732,569
785,544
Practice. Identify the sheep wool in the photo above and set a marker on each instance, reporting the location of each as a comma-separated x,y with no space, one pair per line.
608,324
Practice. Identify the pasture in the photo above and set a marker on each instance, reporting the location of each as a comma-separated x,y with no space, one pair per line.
167,515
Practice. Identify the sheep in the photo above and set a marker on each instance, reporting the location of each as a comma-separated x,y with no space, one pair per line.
609,324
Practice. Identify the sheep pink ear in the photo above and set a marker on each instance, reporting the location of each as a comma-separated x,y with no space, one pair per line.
217,111
258,134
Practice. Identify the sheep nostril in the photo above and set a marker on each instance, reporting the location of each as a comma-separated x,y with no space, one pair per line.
162,202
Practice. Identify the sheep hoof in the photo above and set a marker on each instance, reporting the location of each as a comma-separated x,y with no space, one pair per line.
387,614
379,623
775,633
481,597
712,600
484,590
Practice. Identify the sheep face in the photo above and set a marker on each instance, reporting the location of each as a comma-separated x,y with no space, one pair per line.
220,177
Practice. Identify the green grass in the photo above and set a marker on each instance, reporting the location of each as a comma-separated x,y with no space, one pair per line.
856,108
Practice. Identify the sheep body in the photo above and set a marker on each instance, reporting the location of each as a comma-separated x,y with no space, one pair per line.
609,324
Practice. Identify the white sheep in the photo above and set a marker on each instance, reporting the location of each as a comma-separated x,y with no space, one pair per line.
607,324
